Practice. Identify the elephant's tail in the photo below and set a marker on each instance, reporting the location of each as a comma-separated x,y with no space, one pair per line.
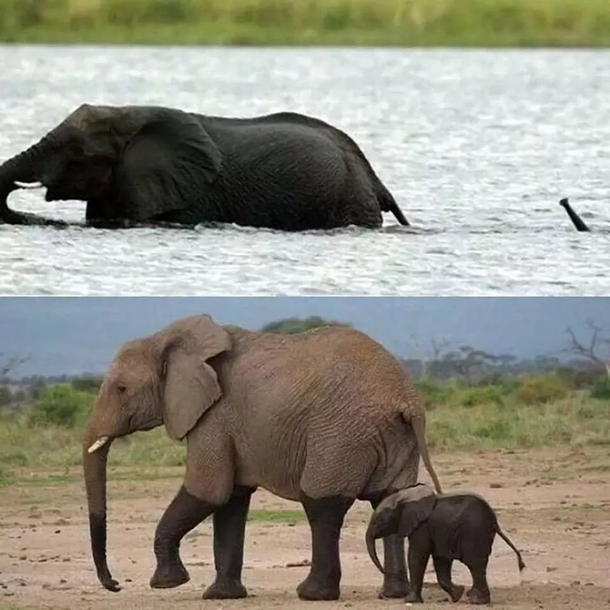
419,428
511,545
387,203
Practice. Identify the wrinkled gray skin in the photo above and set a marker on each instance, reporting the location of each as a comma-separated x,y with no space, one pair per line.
451,526
323,417
140,164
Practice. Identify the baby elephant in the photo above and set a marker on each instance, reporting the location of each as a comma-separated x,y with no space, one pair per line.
458,526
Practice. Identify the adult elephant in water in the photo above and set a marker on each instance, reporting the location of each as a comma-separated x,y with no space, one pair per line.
136,164
322,417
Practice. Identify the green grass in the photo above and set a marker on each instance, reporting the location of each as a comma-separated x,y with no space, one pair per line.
54,446
574,420
532,412
276,516
305,22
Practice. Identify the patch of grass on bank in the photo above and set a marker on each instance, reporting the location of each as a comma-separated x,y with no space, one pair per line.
276,516
305,22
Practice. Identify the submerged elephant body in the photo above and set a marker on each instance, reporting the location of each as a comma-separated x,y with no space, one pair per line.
324,417
138,164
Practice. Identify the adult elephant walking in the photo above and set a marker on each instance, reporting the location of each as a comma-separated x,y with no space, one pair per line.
137,164
323,417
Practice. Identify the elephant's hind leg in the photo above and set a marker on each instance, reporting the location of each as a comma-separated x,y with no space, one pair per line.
325,516
183,514
479,593
442,566
229,533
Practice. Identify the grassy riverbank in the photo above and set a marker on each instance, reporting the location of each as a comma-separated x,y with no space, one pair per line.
309,22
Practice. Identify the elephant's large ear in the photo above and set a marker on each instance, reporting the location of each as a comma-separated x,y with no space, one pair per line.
190,384
166,165
415,506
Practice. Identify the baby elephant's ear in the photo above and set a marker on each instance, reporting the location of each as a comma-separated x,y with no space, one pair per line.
414,509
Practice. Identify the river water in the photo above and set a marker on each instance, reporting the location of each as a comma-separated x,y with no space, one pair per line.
477,146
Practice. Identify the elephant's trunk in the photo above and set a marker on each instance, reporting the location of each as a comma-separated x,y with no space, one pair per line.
94,464
417,421
372,548
26,167
578,222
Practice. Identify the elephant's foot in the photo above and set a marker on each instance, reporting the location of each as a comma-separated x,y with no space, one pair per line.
169,575
477,597
318,589
456,593
414,598
393,588
228,588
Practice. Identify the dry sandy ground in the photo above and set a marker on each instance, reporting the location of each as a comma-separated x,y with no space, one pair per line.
554,505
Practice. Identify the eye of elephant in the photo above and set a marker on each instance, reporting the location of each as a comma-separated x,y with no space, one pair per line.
121,388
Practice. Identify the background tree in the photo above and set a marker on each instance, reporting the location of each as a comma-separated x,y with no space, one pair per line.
87,383
595,350
10,363
290,326
7,365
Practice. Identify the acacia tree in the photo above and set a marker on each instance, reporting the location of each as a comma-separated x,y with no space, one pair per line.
462,361
8,364
595,350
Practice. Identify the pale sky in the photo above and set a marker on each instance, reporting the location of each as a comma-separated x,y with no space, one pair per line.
74,335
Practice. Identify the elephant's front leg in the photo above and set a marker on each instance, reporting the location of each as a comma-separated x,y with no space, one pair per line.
395,579
183,514
229,532
325,516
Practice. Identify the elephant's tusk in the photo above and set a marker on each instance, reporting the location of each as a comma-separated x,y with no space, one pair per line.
29,185
99,443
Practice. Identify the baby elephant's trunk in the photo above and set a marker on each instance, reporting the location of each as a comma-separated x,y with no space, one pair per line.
511,545
372,549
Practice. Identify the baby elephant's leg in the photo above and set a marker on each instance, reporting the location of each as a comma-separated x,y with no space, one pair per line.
479,593
419,553
442,566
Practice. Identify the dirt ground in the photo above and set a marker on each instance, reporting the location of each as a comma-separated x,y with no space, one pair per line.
554,505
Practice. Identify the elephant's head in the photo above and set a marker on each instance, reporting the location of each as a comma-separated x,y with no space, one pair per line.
165,379
132,162
400,513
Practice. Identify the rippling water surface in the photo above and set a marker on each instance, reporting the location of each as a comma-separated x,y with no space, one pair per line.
476,145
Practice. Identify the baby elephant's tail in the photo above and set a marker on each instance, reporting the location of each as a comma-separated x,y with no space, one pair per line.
511,545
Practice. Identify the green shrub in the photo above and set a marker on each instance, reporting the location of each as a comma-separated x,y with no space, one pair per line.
579,379
87,383
601,389
540,389
479,395
5,478
60,405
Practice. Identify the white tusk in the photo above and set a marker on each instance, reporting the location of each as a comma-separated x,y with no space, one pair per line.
29,185
99,443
